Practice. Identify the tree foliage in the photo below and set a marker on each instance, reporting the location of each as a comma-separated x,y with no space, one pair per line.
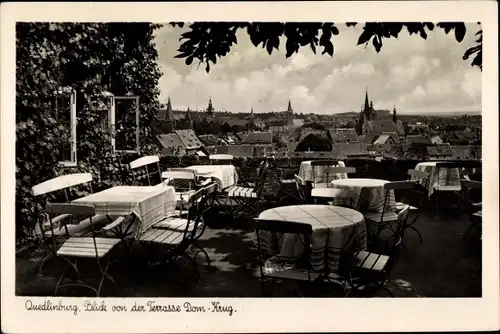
208,41
89,58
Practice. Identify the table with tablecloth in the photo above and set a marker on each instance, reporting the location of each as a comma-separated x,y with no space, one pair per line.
317,175
365,195
445,179
225,175
334,229
148,204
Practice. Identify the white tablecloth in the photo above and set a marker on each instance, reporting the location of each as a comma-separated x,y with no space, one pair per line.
318,175
448,178
367,195
225,175
149,204
334,228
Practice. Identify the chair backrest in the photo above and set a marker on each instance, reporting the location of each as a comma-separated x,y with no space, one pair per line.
61,182
221,157
324,163
180,180
301,189
418,174
339,170
262,172
459,164
142,168
472,191
75,212
280,229
399,185
180,169
194,207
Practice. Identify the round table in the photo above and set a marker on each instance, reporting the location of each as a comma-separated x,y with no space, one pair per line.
366,195
334,228
444,179
316,174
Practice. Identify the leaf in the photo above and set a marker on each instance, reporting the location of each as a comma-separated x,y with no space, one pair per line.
365,37
269,47
377,43
460,31
328,48
189,60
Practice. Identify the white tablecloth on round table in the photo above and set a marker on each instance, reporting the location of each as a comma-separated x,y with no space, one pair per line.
149,204
449,178
334,228
367,195
317,175
225,175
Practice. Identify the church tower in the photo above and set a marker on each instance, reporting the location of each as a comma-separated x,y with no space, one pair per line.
289,114
210,108
394,117
169,118
189,119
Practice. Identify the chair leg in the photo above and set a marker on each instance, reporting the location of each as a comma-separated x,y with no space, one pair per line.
61,278
193,262
45,259
204,252
418,233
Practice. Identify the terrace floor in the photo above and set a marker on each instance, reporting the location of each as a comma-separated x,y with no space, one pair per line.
445,265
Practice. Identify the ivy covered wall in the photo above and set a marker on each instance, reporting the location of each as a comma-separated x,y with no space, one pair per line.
120,58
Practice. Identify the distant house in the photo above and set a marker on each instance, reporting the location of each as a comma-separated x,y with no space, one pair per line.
466,152
298,122
212,140
417,139
243,150
387,138
343,135
351,150
279,129
439,152
461,137
367,139
263,150
436,140
258,137
181,142
378,126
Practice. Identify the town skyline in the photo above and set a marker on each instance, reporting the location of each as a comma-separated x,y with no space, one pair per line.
415,75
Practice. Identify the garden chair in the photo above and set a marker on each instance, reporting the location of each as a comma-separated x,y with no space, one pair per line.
246,198
273,266
184,183
53,236
79,248
331,193
221,159
385,219
301,189
147,167
473,193
327,175
176,234
366,269
287,186
451,189
416,198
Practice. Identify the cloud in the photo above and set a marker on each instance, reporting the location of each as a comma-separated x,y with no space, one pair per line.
409,72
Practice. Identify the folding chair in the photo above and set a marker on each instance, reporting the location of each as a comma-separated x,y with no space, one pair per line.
383,220
473,193
365,269
273,266
246,198
78,248
52,237
221,158
301,189
416,198
176,234
450,188
143,168
184,183
330,193
327,175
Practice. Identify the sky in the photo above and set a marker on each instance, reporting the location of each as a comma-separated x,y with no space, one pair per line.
413,74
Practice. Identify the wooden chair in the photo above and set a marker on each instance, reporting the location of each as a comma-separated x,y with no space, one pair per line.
287,186
473,194
45,192
176,234
273,266
327,176
366,269
382,220
331,193
416,198
302,190
78,248
221,158
246,198
447,189
143,168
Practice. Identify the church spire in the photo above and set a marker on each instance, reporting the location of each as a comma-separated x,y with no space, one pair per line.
289,109
169,113
394,117
367,103
188,113
210,108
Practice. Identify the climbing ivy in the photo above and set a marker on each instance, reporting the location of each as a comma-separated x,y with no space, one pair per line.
89,58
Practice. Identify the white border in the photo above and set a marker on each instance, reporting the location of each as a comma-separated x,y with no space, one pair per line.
257,315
